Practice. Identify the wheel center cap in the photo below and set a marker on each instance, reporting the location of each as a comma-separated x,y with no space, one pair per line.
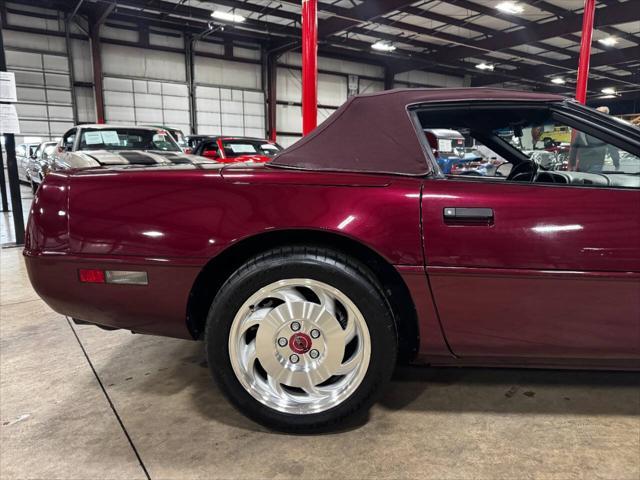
300,342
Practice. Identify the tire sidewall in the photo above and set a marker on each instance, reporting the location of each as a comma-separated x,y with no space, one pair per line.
362,291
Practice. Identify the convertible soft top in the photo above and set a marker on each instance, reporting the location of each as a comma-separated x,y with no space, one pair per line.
374,133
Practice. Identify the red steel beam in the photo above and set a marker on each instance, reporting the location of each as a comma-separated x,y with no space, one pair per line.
309,65
585,50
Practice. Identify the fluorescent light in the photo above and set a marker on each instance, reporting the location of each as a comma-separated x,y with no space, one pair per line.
227,16
485,66
510,7
558,80
608,41
609,91
383,46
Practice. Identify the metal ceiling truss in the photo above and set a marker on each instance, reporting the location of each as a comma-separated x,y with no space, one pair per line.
336,35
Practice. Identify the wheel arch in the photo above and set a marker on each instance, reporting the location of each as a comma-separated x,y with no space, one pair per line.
218,269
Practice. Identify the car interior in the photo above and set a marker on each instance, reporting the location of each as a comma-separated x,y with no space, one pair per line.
520,135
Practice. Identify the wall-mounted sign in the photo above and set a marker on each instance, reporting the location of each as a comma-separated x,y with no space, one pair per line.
8,119
8,87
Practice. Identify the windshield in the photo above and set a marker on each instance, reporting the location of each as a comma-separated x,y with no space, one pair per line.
178,136
237,147
49,149
127,139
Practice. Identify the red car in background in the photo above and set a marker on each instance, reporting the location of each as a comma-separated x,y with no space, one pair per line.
308,277
237,149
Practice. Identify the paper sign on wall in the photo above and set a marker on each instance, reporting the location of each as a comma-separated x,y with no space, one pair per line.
9,119
8,87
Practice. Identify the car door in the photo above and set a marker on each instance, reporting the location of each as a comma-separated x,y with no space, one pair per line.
536,270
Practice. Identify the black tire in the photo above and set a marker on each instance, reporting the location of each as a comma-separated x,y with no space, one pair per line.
338,270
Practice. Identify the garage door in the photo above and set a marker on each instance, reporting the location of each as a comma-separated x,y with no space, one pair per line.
146,102
226,111
44,94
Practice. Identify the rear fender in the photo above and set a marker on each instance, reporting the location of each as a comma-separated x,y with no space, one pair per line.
48,226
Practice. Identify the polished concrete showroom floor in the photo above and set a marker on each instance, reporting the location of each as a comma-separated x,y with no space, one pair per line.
77,402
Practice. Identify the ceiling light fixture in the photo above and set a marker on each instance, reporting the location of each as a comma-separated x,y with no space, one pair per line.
609,91
608,41
227,16
558,81
485,66
510,7
383,46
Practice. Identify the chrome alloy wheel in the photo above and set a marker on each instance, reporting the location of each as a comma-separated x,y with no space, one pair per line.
299,346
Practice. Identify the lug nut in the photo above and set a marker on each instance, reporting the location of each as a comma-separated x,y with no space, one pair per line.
283,342
294,358
295,326
315,333
314,353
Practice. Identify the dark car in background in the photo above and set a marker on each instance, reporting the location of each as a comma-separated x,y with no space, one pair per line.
237,149
192,141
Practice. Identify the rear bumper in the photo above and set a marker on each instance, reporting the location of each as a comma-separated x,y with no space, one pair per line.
159,308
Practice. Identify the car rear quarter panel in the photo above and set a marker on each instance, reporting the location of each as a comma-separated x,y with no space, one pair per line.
171,223
196,215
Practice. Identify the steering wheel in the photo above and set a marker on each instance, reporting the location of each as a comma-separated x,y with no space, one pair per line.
523,172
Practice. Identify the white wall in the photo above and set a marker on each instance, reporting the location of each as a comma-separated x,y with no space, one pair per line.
142,63
332,90
41,68
223,73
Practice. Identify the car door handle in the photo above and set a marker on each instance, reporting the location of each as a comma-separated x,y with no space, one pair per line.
468,215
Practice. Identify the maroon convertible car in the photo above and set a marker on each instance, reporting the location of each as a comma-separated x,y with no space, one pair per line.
308,278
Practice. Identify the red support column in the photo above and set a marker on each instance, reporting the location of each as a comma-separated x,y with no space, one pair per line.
309,65
585,50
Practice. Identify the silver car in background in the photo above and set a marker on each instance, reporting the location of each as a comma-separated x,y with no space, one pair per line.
90,146
24,153
40,163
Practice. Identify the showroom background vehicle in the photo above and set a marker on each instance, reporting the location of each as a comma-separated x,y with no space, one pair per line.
447,146
24,152
194,140
176,134
39,163
91,146
237,149
308,277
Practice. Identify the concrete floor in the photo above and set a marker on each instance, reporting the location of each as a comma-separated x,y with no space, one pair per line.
161,417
